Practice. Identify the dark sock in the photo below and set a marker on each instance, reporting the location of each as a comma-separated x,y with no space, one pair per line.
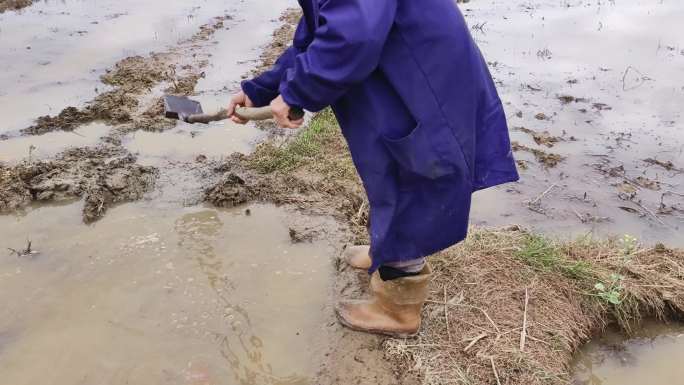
388,273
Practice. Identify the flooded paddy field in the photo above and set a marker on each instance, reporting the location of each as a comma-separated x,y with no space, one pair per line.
162,288
594,94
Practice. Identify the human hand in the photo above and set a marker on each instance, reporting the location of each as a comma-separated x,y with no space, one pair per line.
281,114
242,100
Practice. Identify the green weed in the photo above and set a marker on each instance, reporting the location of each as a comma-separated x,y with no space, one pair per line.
309,143
542,254
611,291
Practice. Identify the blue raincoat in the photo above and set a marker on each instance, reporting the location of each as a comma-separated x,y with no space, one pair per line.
416,104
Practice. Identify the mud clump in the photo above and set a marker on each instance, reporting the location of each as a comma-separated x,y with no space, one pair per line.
231,191
103,176
14,5
567,99
184,85
669,166
133,78
547,159
207,30
282,38
137,74
542,116
541,138
113,107
13,192
120,180
130,77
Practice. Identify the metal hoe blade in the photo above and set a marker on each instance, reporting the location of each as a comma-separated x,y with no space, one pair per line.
177,107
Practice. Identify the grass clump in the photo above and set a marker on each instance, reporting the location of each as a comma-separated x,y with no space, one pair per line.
305,147
544,255
497,283
313,170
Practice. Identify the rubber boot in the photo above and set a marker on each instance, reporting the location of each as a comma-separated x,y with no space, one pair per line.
357,257
394,308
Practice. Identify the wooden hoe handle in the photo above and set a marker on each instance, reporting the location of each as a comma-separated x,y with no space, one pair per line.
249,113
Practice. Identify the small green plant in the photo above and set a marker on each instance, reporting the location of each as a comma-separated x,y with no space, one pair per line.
628,246
611,291
542,254
30,152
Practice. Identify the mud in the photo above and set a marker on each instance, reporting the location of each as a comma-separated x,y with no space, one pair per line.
106,175
324,183
14,5
102,176
341,356
546,159
315,176
541,138
132,80
281,39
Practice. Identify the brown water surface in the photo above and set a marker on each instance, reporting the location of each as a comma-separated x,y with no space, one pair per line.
653,356
149,296
623,63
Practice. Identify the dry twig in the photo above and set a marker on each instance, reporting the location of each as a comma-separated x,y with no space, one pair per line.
542,195
523,333
496,374
474,341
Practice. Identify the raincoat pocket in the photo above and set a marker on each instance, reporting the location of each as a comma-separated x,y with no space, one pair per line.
417,153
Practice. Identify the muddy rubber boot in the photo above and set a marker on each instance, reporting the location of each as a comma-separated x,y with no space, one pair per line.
394,308
357,257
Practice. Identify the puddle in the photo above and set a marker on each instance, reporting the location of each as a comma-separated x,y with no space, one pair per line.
55,51
653,356
632,68
187,141
44,146
148,296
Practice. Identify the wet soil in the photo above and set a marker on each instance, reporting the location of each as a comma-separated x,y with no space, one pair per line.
14,5
131,79
106,174
102,176
585,123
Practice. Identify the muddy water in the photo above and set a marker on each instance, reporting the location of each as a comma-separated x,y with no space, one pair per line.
55,51
49,145
628,55
183,296
653,356
186,142
155,293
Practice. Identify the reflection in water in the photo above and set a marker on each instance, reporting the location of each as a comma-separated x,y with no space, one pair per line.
30,148
150,295
186,141
240,348
614,122
653,356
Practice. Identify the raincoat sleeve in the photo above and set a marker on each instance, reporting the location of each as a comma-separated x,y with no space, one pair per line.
264,88
345,49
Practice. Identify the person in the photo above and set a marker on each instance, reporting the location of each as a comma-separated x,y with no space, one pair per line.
425,127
